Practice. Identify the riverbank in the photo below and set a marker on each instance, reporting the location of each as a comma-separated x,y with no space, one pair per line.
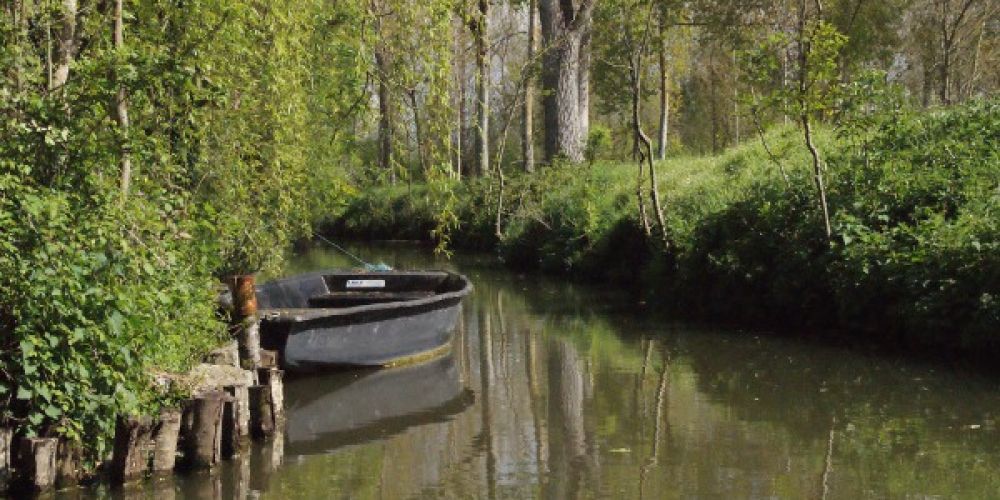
914,261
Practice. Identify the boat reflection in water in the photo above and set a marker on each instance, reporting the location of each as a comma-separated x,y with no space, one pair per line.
341,409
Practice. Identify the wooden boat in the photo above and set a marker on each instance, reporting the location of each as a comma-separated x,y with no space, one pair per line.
335,410
357,319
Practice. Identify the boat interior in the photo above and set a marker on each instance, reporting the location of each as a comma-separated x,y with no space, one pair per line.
351,289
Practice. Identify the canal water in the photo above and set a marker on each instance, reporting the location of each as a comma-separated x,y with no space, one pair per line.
561,390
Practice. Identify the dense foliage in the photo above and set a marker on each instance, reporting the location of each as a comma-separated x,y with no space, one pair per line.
914,209
108,281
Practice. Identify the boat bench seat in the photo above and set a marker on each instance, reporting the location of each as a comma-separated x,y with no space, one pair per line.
360,298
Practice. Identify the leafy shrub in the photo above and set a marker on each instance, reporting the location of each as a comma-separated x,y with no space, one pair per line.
914,199
86,288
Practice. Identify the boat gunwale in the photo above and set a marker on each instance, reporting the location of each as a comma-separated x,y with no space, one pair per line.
305,314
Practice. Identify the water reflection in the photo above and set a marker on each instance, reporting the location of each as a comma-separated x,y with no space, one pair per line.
329,412
560,391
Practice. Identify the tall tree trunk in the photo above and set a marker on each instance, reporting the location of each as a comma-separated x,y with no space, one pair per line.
121,105
15,11
66,44
944,79
527,125
48,53
926,89
970,84
458,99
661,151
418,130
481,33
383,68
384,116
713,104
736,99
564,26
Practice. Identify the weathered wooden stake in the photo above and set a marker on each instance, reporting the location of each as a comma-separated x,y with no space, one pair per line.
130,458
165,438
67,464
203,436
261,412
6,437
235,420
36,463
272,378
248,338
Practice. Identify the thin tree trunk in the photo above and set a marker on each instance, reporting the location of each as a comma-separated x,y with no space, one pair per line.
736,99
763,141
459,100
945,77
805,120
527,130
713,105
639,185
383,68
945,65
926,90
13,11
48,53
970,84
645,145
418,130
66,44
817,173
385,117
661,152
784,84
121,105
481,32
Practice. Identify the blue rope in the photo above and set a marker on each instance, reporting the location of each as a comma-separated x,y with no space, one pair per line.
380,267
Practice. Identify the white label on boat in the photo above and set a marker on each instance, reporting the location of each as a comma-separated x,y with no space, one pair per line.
365,284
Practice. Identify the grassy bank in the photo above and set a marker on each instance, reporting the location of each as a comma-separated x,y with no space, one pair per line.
915,257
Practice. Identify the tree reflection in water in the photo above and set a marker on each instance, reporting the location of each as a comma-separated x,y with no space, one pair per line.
567,392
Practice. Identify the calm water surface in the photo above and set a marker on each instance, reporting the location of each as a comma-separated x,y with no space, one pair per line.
556,390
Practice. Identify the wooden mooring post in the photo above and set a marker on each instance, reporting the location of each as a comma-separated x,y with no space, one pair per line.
202,431
35,464
130,459
235,420
68,464
248,338
165,437
243,290
272,379
261,411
